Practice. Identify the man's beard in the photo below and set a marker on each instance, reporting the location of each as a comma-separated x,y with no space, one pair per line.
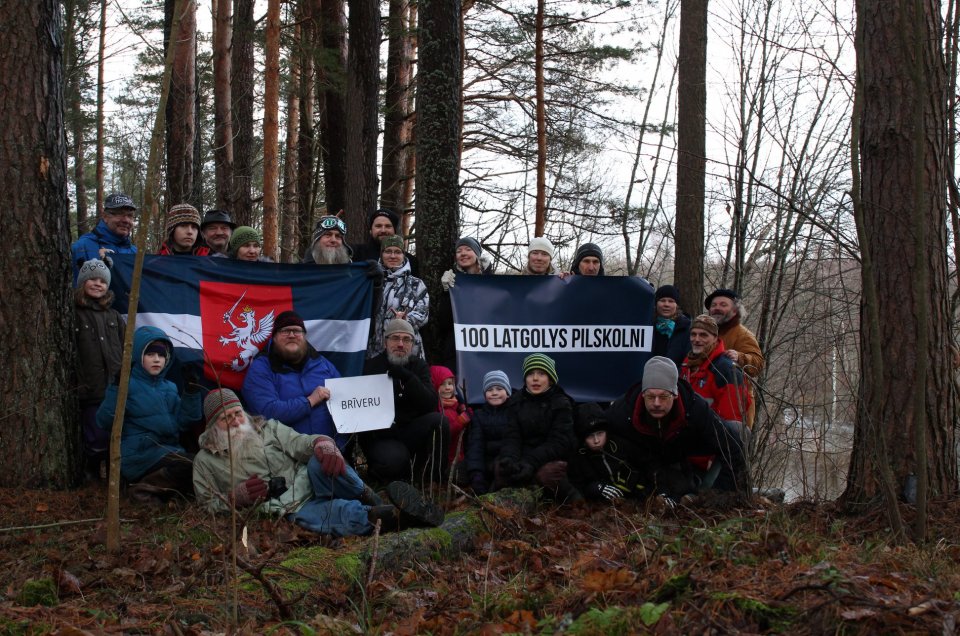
398,360
330,255
722,318
292,357
244,441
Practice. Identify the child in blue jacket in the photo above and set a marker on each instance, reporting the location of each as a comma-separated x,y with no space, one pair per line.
152,459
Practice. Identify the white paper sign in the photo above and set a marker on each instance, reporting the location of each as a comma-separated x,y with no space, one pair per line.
362,403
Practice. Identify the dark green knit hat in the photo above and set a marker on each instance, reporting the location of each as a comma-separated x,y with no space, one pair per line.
240,237
542,362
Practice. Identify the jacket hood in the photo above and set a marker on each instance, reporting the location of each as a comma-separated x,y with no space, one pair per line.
142,337
438,374
403,270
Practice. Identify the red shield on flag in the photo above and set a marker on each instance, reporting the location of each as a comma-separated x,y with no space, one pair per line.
237,323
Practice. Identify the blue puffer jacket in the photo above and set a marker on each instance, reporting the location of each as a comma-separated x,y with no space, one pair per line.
88,246
154,415
278,391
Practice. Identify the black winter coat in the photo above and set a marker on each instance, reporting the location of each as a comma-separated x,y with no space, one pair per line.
99,334
540,429
616,465
413,393
677,346
485,437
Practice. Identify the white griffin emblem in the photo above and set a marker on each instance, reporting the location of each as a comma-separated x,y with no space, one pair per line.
246,336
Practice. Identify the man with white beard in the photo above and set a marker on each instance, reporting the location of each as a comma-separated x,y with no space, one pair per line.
328,247
246,462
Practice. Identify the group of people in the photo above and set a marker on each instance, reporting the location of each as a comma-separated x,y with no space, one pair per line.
679,430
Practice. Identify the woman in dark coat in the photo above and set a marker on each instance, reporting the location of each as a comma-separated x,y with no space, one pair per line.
671,327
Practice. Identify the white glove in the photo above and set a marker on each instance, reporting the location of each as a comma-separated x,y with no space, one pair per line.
448,279
610,492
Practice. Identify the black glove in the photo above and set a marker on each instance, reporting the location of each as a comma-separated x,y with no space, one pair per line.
398,372
507,467
373,269
191,379
524,472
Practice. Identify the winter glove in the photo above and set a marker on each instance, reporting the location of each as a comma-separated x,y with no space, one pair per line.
373,269
448,280
246,493
552,473
191,379
479,484
611,493
507,467
398,372
524,473
327,453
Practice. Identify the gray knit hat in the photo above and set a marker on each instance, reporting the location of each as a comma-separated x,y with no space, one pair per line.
397,325
218,401
496,378
240,237
543,362
94,268
469,242
660,373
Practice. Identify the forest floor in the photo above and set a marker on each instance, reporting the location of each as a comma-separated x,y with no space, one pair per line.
589,569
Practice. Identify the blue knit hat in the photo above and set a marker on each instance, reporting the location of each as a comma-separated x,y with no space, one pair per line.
540,361
496,378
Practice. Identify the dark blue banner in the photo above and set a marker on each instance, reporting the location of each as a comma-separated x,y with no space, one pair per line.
223,309
598,329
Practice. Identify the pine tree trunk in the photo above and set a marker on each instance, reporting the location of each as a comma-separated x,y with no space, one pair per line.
271,133
903,149
305,137
396,120
363,82
540,219
222,104
691,151
40,443
181,107
290,234
241,93
100,83
438,142
331,67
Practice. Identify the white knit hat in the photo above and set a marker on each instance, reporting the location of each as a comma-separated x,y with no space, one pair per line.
541,243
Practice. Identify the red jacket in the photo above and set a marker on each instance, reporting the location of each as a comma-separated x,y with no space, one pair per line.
198,250
720,382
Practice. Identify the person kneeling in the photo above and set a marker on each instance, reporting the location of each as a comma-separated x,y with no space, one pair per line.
301,476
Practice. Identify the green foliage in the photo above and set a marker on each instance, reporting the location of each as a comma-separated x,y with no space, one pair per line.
38,592
617,620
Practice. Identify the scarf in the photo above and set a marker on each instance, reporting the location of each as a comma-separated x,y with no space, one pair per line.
665,326
695,360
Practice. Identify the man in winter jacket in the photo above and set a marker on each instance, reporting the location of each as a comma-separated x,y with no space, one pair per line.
383,222
303,477
712,375
287,381
677,434
739,343
110,236
415,446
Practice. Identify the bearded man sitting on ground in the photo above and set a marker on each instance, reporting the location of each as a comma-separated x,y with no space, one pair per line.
249,461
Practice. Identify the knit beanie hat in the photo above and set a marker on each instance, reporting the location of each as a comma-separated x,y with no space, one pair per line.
469,242
438,374
667,291
391,241
181,213
544,363
660,373
707,323
590,419
496,378
585,250
218,401
541,243
287,318
241,236
327,223
390,214
157,346
94,268
397,325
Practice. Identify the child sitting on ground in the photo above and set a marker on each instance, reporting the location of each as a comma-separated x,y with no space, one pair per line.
153,462
539,435
603,467
485,437
454,411
99,331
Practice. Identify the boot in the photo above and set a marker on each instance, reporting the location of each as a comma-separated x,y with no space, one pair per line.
414,509
369,497
388,516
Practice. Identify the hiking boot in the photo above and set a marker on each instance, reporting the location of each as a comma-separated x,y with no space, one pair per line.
369,497
414,509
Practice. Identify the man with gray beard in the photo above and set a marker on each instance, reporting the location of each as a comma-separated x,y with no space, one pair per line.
245,462
328,247
415,446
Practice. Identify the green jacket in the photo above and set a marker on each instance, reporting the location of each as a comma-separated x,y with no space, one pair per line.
286,453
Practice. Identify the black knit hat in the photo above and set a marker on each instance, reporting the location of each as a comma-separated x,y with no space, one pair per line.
288,318
590,419
585,250
390,214
667,291
729,293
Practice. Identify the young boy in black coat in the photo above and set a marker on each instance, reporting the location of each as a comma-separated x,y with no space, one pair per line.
605,465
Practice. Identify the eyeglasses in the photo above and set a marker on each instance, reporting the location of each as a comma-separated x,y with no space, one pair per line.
404,339
291,332
331,223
